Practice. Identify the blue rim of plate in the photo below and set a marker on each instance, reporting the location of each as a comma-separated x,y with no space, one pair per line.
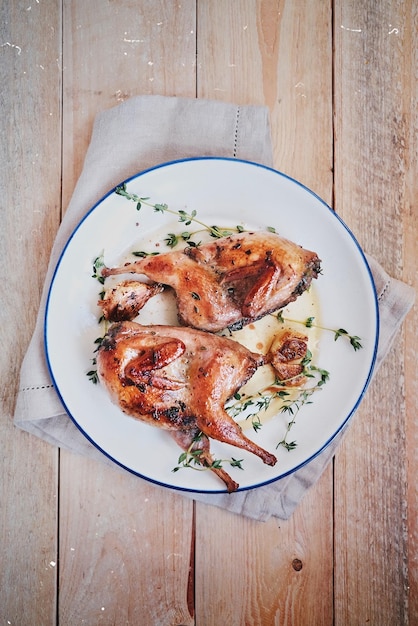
360,397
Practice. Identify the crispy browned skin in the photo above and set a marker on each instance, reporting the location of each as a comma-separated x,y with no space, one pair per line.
178,379
126,299
231,281
286,354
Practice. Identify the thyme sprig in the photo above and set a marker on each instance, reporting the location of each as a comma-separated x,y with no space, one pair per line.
280,390
172,240
192,458
142,254
292,407
92,374
354,340
98,265
183,216
256,404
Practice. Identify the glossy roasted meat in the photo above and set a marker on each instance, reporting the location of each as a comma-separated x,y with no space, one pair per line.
179,379
287,353
231,281
126,299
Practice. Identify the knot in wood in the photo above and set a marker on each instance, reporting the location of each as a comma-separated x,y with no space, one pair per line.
297,565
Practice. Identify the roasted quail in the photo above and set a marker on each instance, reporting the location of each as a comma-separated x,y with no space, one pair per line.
231,281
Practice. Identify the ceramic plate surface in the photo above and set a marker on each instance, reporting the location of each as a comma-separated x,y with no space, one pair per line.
225,192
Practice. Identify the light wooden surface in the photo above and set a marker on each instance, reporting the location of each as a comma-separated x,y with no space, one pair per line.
83,544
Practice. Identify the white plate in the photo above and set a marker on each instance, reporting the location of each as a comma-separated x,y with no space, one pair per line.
225,192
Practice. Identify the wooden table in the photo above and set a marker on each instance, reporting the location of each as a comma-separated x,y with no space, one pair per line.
85,544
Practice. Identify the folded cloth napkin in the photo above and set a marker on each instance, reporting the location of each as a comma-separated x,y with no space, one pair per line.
133,136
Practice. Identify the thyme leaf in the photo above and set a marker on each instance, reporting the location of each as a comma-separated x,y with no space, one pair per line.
98,265
354,340
93,376
171,240
192,458
142,254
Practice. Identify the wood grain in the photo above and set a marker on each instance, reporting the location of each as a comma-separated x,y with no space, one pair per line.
134,569
30,151
267,60
410,275
373,154
267,573
116,50
117,566
275,53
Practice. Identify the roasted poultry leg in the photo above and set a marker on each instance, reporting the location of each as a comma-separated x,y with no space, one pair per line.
192,440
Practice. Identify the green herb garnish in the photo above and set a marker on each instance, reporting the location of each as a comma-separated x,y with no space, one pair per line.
183,216
192,458
98,265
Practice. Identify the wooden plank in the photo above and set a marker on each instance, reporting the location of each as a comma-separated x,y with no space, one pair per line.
30,151
260,53
117,50
374,160
410,275
275,54
119,564
126,545
266,573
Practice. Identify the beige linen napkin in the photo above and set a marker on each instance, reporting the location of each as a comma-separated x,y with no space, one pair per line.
133,136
